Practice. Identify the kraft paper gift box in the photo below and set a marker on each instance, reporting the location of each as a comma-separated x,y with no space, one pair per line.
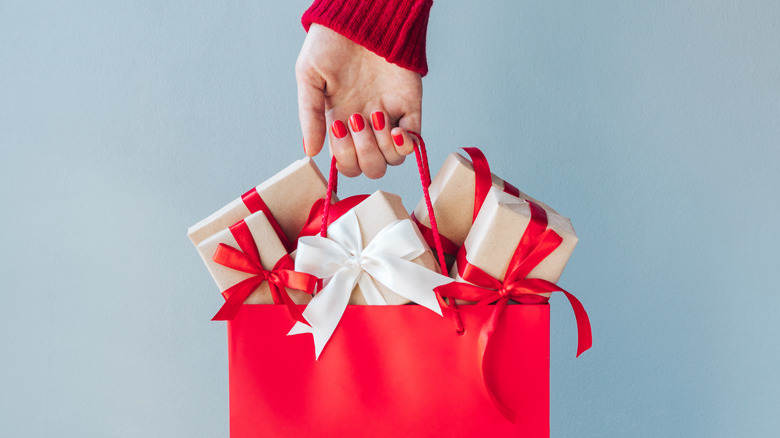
497,231
374,213
270,249
374,255
289,196
452,196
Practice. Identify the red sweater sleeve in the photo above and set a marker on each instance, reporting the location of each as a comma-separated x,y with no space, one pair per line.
393,29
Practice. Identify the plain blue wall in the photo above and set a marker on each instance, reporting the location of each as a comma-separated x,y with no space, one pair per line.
654,125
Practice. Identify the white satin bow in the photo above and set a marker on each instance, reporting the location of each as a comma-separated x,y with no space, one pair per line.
343,262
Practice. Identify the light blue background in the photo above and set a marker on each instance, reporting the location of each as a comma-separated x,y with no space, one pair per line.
654,125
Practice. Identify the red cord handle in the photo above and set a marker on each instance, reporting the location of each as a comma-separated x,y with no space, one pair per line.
421,154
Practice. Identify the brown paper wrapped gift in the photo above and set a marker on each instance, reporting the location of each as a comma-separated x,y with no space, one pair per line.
497,231
289,196
452,196
270,249
374,213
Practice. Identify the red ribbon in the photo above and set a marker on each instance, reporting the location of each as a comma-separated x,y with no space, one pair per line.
254,202
314,222
536,244
247,260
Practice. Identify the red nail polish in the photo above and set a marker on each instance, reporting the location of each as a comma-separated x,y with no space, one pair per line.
304,146
356,122
338,129
398,139
378,119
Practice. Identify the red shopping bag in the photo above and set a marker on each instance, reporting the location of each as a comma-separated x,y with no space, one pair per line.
389,371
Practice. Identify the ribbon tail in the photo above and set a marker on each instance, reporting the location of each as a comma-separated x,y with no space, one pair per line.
300,328
295,313
370,291
325,310
235,298
584,334
485,336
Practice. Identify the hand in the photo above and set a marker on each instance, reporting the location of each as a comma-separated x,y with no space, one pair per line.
368,104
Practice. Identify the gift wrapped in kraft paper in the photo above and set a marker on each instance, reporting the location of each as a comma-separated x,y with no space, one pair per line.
453,197
497,232
516,251
373,254
269,250
286,198
374,214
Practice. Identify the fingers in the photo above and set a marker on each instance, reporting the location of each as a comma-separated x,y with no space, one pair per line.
354,146
370,159
402,140
381,128
342,147
311,110
363,145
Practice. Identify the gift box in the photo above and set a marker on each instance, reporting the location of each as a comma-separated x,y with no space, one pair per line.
498,229
374,214
286,198
269,249
373,254
455,197
515,251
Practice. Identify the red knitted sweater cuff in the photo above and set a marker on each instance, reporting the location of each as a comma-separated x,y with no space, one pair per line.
393,29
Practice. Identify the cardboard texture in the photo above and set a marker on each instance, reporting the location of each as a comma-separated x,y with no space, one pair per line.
268,245
289,196
452,196
497,231
374,213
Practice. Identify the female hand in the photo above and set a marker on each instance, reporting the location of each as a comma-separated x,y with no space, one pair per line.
368,104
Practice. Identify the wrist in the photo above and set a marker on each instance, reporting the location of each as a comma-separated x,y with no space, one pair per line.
393,29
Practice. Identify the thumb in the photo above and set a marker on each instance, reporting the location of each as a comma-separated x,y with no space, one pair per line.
401,138
311,112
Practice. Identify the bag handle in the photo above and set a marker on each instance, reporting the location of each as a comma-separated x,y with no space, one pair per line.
421,155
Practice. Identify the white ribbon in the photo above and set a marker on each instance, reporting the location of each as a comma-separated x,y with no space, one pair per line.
343,262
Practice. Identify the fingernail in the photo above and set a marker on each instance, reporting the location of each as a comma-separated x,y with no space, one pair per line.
398,139
378,119
304,146
338,129
356,122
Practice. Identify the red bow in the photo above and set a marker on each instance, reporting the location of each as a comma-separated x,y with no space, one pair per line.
535,245
247,260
